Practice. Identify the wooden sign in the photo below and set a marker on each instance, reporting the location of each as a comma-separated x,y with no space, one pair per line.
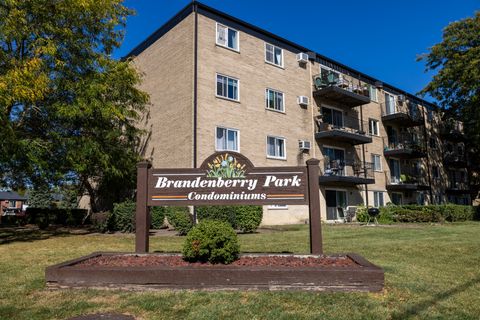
227,178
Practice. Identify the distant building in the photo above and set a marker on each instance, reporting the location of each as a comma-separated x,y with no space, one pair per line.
11,204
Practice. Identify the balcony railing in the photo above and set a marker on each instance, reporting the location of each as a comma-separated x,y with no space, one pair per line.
408,180
452,130
338,88
407,146
349,172
454,159
348,129
403,114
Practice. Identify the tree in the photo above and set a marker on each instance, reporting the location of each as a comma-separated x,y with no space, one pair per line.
456,84
67,109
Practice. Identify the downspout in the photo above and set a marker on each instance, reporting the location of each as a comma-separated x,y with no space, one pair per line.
195,95
363,151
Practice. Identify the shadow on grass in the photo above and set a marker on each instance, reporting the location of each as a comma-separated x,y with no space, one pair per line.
28,235
414,310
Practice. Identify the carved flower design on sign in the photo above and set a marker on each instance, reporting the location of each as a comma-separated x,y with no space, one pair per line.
225,166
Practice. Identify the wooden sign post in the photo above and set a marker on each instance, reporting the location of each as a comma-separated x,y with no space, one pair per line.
227,178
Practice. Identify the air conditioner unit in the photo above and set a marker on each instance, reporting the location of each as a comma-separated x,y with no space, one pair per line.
401,98
304,145
302,100
302,57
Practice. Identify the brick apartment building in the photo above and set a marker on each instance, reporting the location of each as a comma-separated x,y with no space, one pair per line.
219,83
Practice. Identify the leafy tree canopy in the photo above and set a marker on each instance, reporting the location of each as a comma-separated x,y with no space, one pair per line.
67,109
456,84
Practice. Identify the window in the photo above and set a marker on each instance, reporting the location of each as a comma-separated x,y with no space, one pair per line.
273,54
276,147
373,93
378,199
329,76
227,140
12,203
377,162
227,87
435,172
278,207
227,37
390,104
333,117
396,198
433,143
373,127
274,100
430,115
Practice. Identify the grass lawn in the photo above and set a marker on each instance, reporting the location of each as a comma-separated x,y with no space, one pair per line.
431,271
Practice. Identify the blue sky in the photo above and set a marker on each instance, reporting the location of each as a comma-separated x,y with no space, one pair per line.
379,38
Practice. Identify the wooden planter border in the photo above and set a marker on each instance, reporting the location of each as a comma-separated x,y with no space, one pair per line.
364,277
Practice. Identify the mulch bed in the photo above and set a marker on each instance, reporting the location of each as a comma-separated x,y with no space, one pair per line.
177,261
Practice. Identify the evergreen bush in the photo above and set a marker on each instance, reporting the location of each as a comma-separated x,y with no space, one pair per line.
180,219
212,241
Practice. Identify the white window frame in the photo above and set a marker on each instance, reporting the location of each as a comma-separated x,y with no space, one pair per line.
377,125
228,77
395,109
223,45
376,198
284,146
267,90
278,207
379,162
273,62
374,89
227,129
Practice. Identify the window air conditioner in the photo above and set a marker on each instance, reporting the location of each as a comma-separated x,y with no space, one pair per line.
304,145
302,57
302,100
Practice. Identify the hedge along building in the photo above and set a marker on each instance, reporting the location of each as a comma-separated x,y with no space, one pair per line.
220,84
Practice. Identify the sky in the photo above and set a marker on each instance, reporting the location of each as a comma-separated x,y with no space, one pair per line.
379,38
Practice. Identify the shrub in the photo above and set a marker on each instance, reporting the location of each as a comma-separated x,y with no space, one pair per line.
213,241
157,215
180,219
219,213
244,218
102,221
361,213
248,217
123,217
43,217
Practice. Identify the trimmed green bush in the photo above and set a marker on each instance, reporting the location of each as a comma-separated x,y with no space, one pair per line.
123,216
244,218
419,213
43,217
212,241
157,215
180,219
248,217
219,213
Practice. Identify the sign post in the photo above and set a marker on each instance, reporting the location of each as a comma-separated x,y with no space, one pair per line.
227,178
316,246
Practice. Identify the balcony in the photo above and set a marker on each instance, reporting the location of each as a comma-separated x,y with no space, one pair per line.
402,114
458,188
404,147
347,129
452,130
408,181
346,173
335,88
455,160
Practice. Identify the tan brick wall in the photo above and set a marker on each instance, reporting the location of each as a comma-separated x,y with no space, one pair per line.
167,66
